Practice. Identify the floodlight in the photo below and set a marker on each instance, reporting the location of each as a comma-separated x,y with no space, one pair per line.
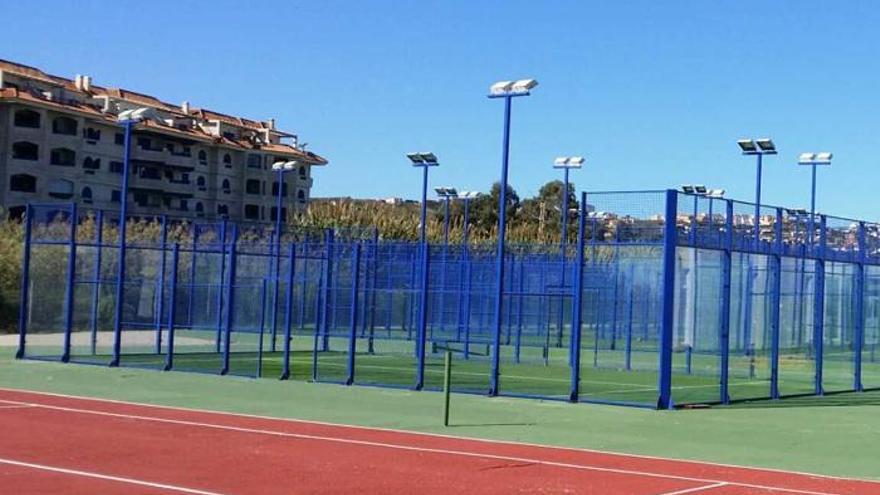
452,192
278,166
291,165
824,157
441,191
416,158
469,194
135,114
801,211
687,189
524,85
700,189
747,145
428,158
766,145
501,87
806,158
715,193
560,161
576,161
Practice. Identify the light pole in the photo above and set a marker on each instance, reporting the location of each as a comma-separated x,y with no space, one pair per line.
812,160
425,160
466,197
566,163
446,194
508,90
758,148
128,119
280,168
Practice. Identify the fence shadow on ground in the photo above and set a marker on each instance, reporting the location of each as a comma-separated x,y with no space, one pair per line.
848,399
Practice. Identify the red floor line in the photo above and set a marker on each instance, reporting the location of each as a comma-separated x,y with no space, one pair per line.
708,476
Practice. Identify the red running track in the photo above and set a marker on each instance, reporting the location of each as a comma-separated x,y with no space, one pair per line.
59,444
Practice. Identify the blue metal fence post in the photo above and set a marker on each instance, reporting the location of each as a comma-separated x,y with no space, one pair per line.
819,305
160,284
220,281
96,279
288,308
775,305
304,293
172,306
276,273
576,304
629,317
422,332
192,275
329,318
24,304
230,300
667,323
353,310
726,262
262,327
859,309
71,284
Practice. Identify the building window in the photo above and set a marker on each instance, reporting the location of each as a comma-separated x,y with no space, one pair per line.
226,187
92,163
16,212
283,189
301,196
27,118
61,189
229,135
200,209
63,157
227,160
252,186
273,212
254,161
116,167
184,205
200,182
203,157
92,134
64,125
24,150
23,183
223,210
115,196
252,212
303,174
119,138
86,195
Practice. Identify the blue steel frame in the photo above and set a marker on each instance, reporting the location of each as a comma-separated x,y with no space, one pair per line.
372,268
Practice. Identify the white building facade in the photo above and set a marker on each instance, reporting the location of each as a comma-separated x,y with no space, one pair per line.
59,142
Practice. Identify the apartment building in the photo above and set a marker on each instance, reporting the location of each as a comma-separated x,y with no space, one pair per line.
60,142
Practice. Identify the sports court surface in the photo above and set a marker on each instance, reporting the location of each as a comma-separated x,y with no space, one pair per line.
63,444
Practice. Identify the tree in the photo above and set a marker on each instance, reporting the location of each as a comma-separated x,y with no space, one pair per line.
484,210
545,209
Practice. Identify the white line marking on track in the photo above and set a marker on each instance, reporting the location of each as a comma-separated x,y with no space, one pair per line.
106,477
695,490
461,453
15,406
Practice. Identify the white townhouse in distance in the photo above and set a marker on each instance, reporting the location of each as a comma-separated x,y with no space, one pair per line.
59,142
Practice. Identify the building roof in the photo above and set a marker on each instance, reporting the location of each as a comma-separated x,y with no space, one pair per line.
195,133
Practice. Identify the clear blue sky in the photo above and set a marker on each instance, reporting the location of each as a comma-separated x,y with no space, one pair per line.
653,93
